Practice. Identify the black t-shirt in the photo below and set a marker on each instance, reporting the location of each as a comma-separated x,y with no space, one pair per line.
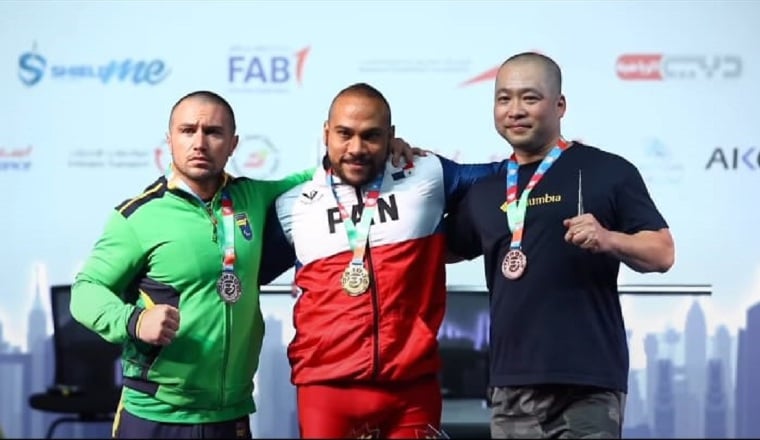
561,321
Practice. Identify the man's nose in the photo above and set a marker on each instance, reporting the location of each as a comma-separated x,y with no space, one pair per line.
199,140
515,109
354,145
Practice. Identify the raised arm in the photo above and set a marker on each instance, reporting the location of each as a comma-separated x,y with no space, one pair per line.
277,187
458,178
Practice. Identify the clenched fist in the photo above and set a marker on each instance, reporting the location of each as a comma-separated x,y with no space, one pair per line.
158,324
585,232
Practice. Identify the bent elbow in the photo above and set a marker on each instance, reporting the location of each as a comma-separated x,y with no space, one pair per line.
668,258
666,264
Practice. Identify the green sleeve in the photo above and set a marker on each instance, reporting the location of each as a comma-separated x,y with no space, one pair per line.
277,187
95,296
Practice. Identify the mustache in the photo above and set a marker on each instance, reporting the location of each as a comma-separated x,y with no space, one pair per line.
356,159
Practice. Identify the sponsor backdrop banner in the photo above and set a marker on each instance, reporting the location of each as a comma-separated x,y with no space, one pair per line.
672,86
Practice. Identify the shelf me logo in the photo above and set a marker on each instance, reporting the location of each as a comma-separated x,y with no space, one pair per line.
266,68
33,67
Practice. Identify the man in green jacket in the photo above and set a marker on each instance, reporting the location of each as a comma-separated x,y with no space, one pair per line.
174,278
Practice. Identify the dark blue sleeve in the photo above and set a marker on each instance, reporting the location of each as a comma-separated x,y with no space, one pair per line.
277,255
462,238
635,210
457,178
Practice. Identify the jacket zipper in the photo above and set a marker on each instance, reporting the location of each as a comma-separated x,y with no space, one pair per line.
209,208
374,291
214,222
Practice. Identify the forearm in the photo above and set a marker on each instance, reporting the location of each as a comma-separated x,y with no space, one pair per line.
98,308
645,251
292,180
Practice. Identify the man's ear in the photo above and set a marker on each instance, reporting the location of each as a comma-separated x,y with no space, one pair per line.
235,141
561,105
325,130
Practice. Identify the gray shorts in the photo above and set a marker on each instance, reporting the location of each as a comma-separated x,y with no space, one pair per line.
556,411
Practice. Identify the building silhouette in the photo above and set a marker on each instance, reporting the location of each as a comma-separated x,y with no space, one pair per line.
635,414
664,404
36,342
716,403
747,378
685,404
722,348
695,369
4,346
651,349
740,394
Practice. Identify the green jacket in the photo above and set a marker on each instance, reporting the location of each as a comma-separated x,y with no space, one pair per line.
162,247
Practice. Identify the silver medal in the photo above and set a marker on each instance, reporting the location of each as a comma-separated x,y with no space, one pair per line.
229,287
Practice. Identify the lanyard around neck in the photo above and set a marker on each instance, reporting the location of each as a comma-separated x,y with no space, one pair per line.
358,234
515,208
228,217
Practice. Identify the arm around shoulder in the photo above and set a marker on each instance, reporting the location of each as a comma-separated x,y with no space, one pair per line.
292,180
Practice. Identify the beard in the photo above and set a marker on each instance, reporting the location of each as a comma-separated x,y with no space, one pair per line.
357,170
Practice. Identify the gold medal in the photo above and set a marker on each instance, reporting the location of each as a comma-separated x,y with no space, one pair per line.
514,264
355,279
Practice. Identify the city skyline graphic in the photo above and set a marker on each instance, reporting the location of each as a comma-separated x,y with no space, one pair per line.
695,383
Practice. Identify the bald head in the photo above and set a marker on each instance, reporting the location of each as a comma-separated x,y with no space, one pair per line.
358,133
551,71
207,97
528,104
363,90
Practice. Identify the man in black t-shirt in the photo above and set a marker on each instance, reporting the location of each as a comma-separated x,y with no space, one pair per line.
552,250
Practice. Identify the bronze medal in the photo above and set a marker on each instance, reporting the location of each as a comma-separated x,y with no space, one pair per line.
514,264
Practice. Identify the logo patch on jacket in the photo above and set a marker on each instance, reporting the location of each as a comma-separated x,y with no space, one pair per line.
241,219
403,173
310,196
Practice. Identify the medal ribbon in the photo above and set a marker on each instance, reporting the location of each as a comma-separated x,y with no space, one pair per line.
516,209
228,233
228,217
358,234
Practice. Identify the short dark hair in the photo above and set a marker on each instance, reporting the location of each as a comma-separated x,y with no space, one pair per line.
364,90
208,96
553,72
